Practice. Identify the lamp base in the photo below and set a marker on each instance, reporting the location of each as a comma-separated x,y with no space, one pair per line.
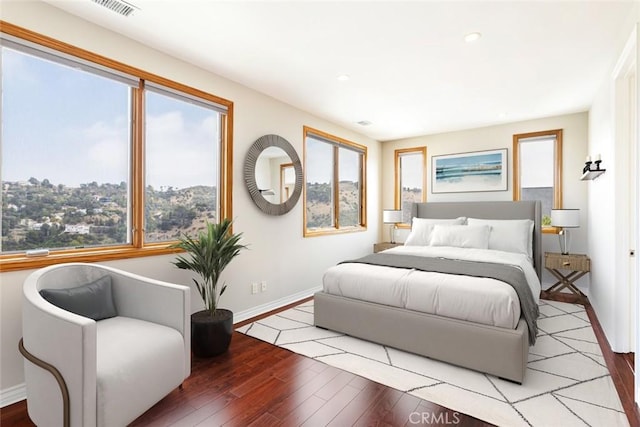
565,241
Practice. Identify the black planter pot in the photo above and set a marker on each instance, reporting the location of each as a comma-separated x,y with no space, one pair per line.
211,336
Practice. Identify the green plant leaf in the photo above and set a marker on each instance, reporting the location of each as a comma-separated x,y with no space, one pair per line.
207,256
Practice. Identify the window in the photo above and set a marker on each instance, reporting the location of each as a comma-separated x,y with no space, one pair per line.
335,188
101,160
181,174
410,179
65,173
537,160
287,181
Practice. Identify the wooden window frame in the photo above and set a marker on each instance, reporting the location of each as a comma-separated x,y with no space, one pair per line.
557,168
137,247
397,202
337,143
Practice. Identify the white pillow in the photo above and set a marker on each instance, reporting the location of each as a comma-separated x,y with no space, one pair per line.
461,236
421,229
509,235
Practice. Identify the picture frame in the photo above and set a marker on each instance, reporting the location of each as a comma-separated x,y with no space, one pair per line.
474,171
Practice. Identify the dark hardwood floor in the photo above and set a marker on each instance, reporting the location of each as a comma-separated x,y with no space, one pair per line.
258,384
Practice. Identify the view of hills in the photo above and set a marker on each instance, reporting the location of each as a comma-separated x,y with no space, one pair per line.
319,208
40,214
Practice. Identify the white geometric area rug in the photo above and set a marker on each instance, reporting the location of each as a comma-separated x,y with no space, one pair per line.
567,382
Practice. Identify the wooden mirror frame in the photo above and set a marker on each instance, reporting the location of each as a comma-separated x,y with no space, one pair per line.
250,161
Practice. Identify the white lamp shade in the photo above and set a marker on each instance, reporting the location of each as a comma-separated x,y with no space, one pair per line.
566,218
391,216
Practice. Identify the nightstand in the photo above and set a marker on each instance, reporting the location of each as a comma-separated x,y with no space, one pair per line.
377,247
577,264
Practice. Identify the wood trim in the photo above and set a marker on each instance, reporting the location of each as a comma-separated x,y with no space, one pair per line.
305,232
137,168
335,229
363,190
557,189
557,169
137,247
550,230
226,165
516,167
337,139
336,187
332,231
22,262
283,168
397,202
86,55
397,171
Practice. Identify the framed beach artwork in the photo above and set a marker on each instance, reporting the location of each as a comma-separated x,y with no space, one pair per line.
469,172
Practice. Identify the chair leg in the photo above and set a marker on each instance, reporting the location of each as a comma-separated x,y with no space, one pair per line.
66,415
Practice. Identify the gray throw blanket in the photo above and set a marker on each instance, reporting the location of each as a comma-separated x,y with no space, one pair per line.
511,275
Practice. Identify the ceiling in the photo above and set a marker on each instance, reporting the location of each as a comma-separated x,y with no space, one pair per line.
410,71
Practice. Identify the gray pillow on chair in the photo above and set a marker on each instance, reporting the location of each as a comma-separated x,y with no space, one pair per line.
93,300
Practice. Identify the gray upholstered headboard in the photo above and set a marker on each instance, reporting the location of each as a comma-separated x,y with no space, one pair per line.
490,210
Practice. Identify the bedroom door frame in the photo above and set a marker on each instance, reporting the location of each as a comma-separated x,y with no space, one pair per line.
627,147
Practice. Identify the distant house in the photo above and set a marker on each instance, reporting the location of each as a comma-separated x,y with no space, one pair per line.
77,228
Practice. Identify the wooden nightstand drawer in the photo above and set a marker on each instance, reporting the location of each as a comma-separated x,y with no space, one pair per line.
567,262
377,247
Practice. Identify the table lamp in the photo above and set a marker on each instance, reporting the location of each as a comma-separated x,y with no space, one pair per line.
565,218
392,216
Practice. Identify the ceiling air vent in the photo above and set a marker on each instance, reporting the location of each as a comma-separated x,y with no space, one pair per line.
118,6
364,123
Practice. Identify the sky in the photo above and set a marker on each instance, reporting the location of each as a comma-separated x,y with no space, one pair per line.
319,162
72,127
412,170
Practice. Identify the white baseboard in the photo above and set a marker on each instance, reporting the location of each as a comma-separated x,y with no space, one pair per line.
264,308
19,392
13,394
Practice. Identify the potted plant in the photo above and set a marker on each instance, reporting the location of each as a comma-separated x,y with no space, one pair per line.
208,255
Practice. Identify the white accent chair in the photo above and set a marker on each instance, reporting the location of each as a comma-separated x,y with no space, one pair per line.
114,369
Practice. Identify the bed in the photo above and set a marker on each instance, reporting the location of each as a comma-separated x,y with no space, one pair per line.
499,349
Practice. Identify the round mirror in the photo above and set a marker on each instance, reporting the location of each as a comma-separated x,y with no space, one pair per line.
273,174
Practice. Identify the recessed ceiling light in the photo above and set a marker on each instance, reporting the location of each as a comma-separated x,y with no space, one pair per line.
343,77
471,37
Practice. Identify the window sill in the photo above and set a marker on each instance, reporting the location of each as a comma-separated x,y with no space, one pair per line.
22,262
329,231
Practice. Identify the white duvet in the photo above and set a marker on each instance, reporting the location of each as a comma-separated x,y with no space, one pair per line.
475,299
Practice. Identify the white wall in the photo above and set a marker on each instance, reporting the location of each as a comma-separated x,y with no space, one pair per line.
609,205
574,141
274,241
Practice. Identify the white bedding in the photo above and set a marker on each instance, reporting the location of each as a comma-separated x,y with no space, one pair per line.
480,300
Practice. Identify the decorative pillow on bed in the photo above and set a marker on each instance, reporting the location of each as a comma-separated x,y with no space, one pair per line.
93,300
509,235
461,236
421,229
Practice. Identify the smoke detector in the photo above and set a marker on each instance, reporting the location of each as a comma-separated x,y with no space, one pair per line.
118,6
